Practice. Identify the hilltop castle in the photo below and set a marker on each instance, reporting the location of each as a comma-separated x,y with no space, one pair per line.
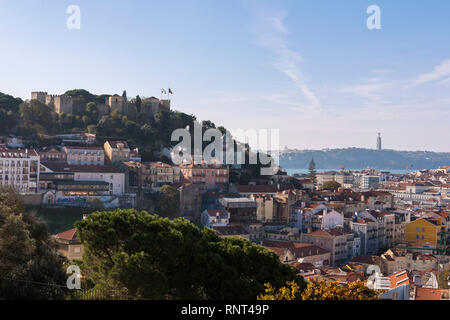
68,104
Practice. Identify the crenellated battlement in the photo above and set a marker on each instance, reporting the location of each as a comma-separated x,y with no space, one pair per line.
66,104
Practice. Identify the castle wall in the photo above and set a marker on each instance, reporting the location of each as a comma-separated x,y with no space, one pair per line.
63,104
39,95
66,104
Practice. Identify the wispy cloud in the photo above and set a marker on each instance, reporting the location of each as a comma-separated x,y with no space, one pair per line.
271,33
440,71
368,90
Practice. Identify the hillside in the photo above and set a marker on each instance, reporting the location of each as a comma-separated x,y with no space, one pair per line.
356,158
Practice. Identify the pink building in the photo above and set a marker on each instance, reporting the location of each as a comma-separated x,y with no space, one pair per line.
206,176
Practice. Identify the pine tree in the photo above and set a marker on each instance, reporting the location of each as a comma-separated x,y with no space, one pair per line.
138,103
312,171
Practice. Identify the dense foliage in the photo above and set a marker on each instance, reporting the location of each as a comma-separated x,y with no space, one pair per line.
9,107
35,121
30,266
331,185
146,256
312,171
168,204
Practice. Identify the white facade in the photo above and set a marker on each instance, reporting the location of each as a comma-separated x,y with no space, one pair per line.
369,181
356,248
115,179
215,218
84,156
20,170
332,219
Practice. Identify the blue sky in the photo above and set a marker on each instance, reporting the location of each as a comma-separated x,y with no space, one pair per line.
309,68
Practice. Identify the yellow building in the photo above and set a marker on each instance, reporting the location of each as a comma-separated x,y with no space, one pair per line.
425,231
117,151
69,246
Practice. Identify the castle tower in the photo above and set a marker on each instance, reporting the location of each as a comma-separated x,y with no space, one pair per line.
379,142
39,95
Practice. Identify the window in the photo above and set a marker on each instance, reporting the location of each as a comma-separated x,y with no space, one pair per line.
77,249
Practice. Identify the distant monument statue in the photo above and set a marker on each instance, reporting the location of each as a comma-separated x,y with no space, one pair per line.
379,141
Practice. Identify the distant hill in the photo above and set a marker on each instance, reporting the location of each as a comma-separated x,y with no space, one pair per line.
357,158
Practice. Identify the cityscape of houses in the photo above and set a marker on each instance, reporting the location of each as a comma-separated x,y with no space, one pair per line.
398,224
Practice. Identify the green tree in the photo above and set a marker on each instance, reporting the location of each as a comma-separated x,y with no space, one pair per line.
27,254
38,116
138,104
168,202
84,94
312,171
331,185
296,184
147,256
9,103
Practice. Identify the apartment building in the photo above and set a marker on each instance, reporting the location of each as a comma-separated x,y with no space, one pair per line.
159,174
206,176
427,231
394,260
150,175
294,252
84,155
117,151
326,219
52,154
401,219
367,230
338,242
113,176
277,208
19,169
385,227
344,178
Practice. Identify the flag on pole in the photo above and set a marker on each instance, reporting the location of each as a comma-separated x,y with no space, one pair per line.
170,91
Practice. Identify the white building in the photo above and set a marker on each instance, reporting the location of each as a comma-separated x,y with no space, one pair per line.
327,219
215,218
369,181
85,155
19,169
109,174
